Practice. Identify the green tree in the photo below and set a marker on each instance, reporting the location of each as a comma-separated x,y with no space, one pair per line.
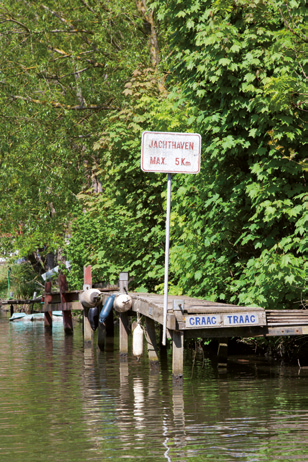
64,65
242,227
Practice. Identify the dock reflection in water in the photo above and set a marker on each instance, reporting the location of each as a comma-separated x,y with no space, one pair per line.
61,402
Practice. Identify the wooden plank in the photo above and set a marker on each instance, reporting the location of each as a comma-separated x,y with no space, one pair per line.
281,324
154,312
219,308
287,318
61,306
286,311
281,331
245,332
20,302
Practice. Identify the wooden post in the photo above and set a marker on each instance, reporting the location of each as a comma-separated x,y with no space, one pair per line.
124,330
150,336
222,352
123,282
177,354
87,277
124,320
48,299
87,330
67,315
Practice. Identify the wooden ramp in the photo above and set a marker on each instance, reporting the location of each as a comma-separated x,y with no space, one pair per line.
194,318
206,319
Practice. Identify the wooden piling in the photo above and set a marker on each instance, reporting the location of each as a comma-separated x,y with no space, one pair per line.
150,336
48,299
124,332
67,314
124,319
177,354
222,352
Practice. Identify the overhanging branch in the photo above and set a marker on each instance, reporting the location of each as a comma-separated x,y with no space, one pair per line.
90,107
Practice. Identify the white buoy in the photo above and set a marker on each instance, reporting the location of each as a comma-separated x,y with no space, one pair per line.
90,298
138,341
123,303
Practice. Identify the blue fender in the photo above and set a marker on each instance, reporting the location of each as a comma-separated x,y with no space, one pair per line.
106,309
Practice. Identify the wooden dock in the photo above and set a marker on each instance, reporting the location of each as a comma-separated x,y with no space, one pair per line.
187,318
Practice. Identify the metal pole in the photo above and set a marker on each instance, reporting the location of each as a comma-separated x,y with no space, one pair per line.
167,258
8,284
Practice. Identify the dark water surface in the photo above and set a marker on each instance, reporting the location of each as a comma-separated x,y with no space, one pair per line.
61,402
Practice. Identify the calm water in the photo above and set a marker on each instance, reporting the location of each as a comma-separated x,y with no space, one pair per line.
59,402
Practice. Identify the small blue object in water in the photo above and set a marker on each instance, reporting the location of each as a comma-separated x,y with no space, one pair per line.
106,309
34,316
17,316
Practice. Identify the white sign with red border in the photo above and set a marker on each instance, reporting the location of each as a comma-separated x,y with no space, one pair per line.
168,152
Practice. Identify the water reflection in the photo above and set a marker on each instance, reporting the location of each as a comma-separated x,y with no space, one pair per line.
62,402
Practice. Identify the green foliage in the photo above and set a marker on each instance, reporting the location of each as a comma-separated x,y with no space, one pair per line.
3,281
241,225
63,66
123,229
23,281
72,118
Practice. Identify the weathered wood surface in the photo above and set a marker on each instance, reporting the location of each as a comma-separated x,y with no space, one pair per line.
276,322
287,317
65,298
61,306
48,299
20,302
124,333
150,336
177,354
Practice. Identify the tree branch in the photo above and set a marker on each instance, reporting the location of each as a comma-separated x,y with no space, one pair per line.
149,18
91,107
54,14
88,7
19,23
304,38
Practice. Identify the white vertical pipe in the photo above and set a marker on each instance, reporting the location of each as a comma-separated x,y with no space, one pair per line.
167,258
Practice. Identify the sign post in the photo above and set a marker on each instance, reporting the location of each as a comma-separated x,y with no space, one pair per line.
167,152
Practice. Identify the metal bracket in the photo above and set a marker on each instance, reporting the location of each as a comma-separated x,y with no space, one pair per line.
87,286
178,305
